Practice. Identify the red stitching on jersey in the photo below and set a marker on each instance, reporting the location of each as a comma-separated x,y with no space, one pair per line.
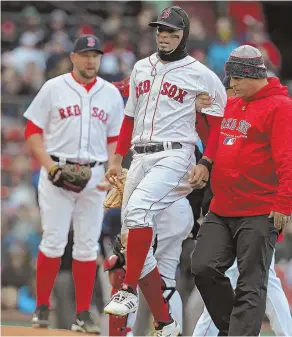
159,94
147,107
147,100
152,126
150,61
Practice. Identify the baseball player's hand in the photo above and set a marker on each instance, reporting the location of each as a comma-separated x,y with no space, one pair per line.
199,176
203,100
280,220
104,185
114,172
55,173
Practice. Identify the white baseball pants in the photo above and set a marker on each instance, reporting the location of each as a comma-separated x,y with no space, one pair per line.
59,208
277,308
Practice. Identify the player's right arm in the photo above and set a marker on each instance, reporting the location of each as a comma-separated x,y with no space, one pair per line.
214,114
126,131
210,84
35,143
37,115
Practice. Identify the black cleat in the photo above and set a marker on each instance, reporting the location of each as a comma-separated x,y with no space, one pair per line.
84,323
40,318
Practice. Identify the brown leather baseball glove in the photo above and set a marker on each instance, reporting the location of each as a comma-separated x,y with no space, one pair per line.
114,197
71,177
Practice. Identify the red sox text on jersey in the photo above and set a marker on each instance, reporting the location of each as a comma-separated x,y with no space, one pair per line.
71,111
171,90
77,123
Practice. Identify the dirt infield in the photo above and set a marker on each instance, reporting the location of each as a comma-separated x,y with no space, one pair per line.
23,331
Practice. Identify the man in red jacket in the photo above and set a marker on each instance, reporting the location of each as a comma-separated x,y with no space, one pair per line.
252,186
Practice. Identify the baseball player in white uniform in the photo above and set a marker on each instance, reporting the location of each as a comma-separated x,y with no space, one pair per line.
74,119
168,234
159,122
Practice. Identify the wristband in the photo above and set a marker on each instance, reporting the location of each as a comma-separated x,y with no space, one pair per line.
206,163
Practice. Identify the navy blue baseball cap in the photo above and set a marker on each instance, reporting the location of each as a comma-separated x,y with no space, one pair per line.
169,17
87,43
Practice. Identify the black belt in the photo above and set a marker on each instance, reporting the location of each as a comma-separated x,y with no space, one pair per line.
92,164
155,147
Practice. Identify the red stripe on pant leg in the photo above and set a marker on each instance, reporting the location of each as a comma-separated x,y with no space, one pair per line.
205,334
150,286
84,273
139,242
46,272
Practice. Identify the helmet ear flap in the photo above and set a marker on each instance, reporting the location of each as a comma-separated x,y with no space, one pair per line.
185,17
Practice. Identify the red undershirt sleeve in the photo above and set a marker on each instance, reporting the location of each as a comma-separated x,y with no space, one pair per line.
31,128
125,137
112,139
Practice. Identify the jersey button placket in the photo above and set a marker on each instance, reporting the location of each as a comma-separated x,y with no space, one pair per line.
154,106
85,125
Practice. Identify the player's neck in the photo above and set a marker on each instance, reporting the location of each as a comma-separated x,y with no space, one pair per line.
160,60
163,62
81,80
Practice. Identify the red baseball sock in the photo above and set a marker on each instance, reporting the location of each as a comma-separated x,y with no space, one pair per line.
139,241
150,286
46,272
118,324
84,273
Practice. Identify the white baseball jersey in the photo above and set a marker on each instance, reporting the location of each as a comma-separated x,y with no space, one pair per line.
162,99
77,123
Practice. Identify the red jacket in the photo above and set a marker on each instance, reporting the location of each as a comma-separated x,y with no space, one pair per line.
252,174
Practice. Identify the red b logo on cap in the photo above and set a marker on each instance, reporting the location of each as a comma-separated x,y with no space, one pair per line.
166,13
90,42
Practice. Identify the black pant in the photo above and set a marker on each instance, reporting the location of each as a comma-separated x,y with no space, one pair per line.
220,241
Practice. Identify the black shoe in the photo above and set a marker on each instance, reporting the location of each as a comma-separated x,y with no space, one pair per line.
84,323
40,318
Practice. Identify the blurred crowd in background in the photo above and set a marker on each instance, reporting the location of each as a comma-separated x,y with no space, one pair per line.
36,41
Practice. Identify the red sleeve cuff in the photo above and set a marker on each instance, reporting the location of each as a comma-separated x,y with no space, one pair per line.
31,128
112,139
